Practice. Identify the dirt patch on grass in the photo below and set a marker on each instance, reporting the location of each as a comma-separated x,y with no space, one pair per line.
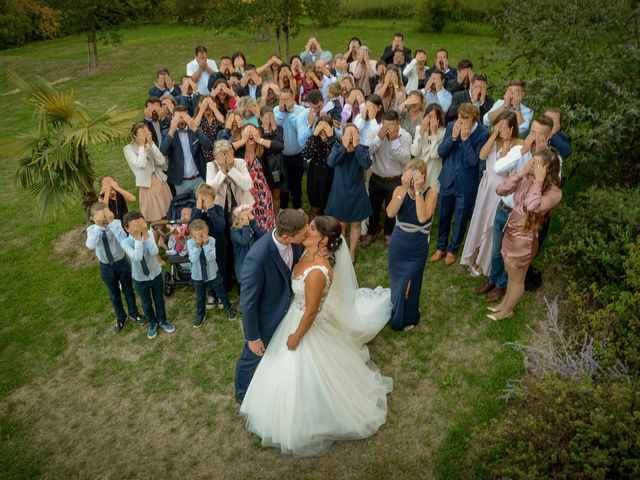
70,248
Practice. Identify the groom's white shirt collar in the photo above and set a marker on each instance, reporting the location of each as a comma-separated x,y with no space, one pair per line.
281,248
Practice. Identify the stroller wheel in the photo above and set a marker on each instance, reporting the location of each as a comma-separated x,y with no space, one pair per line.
168,287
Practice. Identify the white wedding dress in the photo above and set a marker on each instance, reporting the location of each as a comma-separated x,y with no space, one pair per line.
328,388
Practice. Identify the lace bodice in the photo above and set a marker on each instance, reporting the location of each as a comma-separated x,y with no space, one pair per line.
297,285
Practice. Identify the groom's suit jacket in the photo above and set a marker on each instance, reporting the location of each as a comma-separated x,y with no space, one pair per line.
266,289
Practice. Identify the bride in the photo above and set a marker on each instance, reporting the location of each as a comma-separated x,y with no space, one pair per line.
315,383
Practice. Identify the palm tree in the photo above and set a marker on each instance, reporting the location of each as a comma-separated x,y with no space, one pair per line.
54,164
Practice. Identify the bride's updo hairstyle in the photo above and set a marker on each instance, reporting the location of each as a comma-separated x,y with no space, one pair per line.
330,228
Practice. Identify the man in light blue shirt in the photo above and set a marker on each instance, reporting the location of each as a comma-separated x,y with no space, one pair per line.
286,115
312,53
103,238
434,91
142,250
510,164
512,101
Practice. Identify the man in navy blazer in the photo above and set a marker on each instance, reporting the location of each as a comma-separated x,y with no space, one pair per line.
183,145
459,178
266,294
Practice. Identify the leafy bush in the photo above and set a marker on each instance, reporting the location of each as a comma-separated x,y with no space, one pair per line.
596,229
617,324
583,57
22,22
564,430
379,9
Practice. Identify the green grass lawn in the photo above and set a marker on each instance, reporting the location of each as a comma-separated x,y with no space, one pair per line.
78,400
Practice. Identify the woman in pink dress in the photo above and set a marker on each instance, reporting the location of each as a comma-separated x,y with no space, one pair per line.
477,248
537,191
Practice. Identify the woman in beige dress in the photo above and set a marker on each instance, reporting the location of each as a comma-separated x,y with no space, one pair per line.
427,139
148,166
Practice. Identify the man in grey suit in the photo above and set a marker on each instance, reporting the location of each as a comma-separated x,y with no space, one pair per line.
266,289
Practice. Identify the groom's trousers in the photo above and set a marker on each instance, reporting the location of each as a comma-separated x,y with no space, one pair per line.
245,368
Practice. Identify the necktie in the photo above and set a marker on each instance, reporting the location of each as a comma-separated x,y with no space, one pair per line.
203,265
145,267
107,249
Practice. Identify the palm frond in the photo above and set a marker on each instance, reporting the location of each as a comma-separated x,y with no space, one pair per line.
19,147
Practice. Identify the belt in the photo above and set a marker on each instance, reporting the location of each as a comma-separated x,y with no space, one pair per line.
502,206
389,179
191,178
412,228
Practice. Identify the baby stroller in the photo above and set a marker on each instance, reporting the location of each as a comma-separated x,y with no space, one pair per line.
179,266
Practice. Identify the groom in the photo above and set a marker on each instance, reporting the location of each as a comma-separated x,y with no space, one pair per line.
266,289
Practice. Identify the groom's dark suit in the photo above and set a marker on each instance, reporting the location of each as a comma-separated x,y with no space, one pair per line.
264,300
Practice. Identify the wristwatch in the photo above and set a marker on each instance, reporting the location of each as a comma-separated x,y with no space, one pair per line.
420,192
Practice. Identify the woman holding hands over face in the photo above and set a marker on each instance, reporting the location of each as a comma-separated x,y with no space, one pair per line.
428,137
391,89
148,166
363,69
209,118
255,148
412,111
319,174
412,206
348,199
536,189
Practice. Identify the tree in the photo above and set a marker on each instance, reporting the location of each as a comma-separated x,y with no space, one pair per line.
99,19
54,163
283,15
583,56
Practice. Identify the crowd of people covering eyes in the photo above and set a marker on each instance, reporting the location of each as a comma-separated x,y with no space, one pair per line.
398,137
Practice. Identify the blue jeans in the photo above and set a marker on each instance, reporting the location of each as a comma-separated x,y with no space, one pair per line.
201,294
499,276
149,290
450,204
115,277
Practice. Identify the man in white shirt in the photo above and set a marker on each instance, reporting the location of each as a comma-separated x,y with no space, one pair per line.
390,152
201,68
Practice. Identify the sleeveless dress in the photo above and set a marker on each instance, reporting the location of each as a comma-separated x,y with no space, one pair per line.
327,389
478,244
407,256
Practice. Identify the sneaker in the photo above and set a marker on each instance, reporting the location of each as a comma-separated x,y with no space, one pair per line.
219,303
197,322
167,327
211,302
231,315
152,331
119,325
139,319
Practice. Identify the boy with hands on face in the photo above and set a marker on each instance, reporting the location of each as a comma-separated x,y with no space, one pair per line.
204,271
103,237
142,250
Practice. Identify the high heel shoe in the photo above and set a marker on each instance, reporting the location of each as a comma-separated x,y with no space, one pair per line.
492,316
493,309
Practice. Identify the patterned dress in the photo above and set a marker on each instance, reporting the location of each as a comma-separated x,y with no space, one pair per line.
263,206
211,131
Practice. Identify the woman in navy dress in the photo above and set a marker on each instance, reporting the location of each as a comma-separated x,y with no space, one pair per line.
412,205
348,199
